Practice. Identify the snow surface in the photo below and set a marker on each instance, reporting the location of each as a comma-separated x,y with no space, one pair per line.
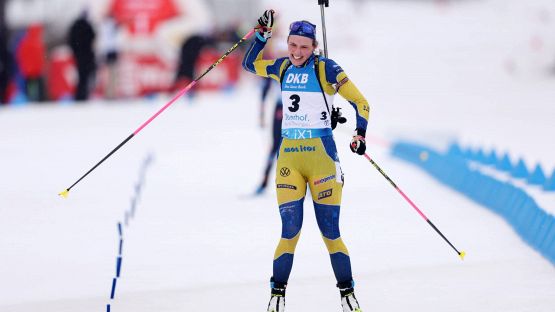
476,71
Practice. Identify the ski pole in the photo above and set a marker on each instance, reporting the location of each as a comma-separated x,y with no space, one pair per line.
460,253
323,3
65,192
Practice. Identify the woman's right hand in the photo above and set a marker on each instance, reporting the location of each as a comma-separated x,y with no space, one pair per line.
265,24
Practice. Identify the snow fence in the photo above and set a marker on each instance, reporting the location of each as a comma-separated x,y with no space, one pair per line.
454,168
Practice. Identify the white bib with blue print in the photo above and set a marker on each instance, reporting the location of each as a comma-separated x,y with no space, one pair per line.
305,114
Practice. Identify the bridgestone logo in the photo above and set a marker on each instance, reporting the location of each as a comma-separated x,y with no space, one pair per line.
324,180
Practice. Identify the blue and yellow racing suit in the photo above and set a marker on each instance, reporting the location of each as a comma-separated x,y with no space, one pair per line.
307,153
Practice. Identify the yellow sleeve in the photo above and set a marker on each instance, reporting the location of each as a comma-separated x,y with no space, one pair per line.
349,91
337,81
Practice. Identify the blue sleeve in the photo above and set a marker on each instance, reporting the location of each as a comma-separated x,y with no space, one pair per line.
254,63
252,55
332,70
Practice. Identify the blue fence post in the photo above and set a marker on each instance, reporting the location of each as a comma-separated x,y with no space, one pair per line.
113,291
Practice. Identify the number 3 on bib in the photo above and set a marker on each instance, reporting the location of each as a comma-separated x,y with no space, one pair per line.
295,98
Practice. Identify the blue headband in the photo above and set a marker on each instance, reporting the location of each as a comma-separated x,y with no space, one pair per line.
303,28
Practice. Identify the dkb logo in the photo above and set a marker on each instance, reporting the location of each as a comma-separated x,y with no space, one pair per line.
297,78
284,172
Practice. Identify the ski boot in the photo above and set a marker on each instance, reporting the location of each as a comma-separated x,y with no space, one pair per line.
277,300
349,302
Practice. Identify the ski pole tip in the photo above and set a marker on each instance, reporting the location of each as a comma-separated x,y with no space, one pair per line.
64,193
462,254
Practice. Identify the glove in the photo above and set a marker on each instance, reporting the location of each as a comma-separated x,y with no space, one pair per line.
336,117
265,24
358,143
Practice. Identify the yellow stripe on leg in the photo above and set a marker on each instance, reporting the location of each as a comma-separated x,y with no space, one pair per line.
335,245
286,246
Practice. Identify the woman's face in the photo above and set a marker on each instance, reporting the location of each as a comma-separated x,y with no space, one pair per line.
300,48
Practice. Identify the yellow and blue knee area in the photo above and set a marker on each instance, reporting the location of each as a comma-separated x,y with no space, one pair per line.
283,257
327,217
335,246
291,218
340,260
292,221
286,246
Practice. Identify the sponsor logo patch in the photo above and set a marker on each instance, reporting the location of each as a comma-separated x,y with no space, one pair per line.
284,172
324,180
296,117
325,194
297,134
300,148
297,78
287,186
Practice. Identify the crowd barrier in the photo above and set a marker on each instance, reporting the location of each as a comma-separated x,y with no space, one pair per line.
520,210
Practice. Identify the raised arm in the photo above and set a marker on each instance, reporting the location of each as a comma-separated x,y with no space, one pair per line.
253,60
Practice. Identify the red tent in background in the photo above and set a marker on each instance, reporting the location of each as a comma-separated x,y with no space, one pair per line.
142,16
146,72
141,72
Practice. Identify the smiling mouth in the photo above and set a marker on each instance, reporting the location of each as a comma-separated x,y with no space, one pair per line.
297,57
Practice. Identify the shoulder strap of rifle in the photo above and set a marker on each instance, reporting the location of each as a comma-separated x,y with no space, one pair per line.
282,74
317,70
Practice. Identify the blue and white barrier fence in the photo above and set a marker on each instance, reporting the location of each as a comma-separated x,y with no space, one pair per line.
453,168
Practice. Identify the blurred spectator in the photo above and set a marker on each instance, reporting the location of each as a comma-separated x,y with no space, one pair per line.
6,67
276,131
229,35
31,56
5,57
188,56
109,50
81,39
